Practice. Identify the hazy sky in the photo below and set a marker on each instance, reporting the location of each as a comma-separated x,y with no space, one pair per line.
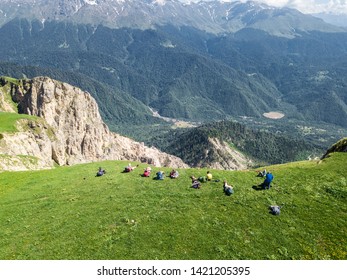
305,6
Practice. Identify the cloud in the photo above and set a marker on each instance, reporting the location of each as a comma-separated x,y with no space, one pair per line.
311,6
317,6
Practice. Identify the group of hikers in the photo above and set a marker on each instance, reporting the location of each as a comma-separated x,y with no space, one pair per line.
196,182
147,172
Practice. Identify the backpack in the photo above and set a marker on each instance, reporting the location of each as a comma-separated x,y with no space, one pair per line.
229,191
275,209
196,185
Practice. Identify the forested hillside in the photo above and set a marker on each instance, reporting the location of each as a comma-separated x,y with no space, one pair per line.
115,105
262,147
188,74
257,60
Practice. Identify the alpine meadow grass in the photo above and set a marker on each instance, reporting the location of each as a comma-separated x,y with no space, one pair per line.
69,213
8,121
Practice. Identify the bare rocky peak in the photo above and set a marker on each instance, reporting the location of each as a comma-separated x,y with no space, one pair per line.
80,135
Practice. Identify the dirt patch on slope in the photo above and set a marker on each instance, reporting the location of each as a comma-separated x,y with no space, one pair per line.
273,115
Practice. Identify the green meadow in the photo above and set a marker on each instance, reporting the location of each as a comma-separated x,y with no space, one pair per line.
68,213
9,121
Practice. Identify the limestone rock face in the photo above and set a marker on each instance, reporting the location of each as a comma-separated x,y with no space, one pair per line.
228,158
28,149
80,135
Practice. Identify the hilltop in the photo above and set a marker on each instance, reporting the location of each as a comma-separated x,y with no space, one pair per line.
68,213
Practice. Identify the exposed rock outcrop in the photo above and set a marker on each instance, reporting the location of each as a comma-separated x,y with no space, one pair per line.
338,147
228,158
28,149
79,134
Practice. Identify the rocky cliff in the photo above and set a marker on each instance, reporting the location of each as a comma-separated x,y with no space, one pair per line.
227,158
78,134
339,147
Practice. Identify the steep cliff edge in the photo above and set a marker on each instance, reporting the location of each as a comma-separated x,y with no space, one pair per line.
339,147
78,134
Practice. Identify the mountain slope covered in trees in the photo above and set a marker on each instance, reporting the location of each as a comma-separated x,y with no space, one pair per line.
196,77
196,146
258,60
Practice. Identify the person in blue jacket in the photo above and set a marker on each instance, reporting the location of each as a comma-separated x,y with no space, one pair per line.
268,179
160,175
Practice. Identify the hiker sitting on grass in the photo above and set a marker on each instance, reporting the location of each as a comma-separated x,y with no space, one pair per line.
147,172
100,172
174,174
262,173
209,176
129,168
228,189
195,183
160,175
268,179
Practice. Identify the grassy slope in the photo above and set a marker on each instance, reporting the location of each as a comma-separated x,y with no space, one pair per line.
68,213
8,121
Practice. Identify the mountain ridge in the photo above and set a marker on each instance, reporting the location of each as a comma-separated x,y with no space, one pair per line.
213,16
79,134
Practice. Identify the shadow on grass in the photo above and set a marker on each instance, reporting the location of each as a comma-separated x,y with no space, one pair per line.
157,179
258,188
144,176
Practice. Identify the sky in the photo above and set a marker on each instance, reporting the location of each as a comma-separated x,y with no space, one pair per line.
305,6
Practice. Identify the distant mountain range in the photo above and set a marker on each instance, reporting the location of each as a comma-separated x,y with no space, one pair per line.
198,62
212,16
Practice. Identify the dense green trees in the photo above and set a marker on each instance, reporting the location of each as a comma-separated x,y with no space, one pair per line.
261,146
195,76
188,74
